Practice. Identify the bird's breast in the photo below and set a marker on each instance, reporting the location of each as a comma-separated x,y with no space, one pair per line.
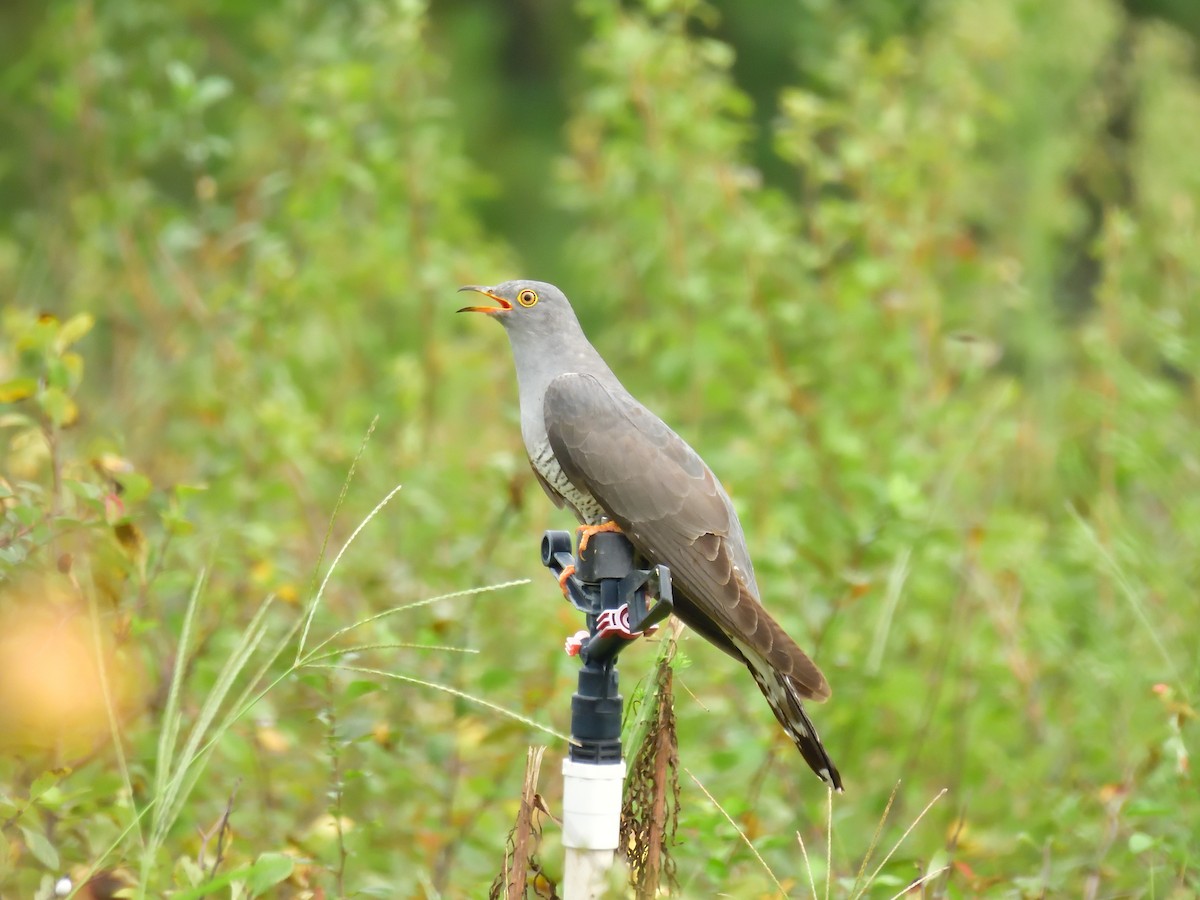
546,464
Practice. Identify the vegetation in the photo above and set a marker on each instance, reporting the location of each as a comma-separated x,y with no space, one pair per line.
919,281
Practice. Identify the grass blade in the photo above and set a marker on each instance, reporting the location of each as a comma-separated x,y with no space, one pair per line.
416,604
316,601
741,833
171,718
333,518
907,832
874,841
524,720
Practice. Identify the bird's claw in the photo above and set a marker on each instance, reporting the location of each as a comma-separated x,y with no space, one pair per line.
567,572
587,532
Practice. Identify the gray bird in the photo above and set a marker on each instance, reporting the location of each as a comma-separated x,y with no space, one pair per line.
598,451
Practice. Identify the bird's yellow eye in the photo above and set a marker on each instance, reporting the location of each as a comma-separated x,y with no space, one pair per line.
527,297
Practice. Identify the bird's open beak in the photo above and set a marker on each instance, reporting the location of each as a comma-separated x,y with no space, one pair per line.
487,292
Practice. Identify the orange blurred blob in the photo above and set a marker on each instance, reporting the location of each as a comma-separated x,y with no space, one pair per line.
272,740
52,693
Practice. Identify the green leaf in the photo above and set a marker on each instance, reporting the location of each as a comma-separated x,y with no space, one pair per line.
43,851
57,375
210,90
46,781
26,514
187,871
264,873
905,496
15,420
1140,842
72,364
58,406
314,681
86,490
357,689
13,554
268,870
41,336
178,525
73,329
17,389
180,75
136,486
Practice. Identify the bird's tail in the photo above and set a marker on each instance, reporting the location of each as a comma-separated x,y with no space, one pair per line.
783,695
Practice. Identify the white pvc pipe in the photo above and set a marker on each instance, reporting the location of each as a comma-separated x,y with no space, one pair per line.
591,826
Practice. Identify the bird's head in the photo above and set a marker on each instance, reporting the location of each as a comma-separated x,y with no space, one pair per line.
526,306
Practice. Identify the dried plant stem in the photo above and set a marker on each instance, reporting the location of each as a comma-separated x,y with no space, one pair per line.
524,836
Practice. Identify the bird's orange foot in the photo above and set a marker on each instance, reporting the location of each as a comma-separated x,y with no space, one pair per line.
587,532
562,579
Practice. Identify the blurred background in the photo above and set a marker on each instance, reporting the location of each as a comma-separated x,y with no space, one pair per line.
918,279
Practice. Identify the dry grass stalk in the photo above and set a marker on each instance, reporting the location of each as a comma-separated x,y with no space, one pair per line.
521,868
651,806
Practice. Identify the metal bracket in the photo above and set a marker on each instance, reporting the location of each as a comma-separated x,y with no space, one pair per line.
606,586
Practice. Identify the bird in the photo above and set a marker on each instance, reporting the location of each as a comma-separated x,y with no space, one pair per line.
616,465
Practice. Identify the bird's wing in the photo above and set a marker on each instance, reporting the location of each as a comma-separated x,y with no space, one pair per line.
673,509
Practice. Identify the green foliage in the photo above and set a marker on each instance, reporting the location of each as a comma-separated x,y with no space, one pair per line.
925,297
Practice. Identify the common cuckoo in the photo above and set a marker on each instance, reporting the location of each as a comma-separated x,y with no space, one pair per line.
598,451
